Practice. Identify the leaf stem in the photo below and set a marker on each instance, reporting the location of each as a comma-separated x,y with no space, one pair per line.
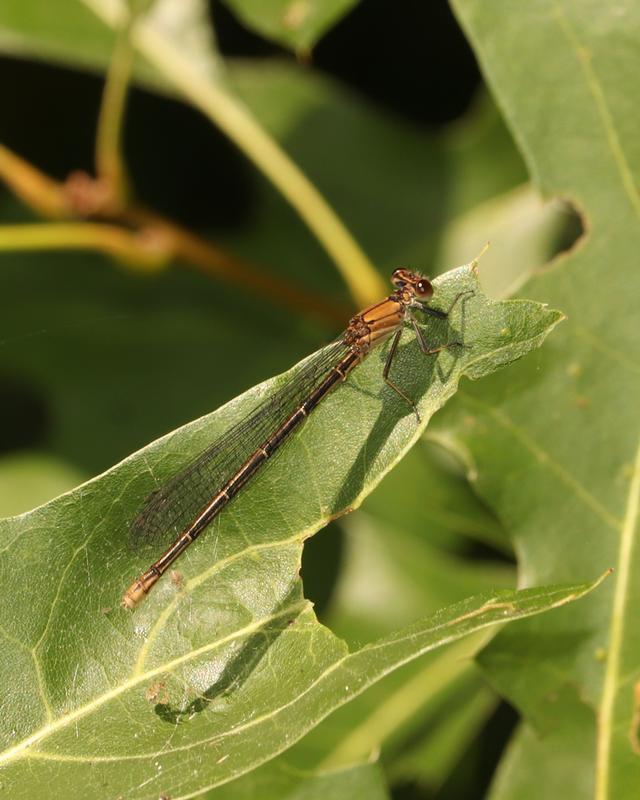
66,201
110,167
232,117
42,193
147,251
212,260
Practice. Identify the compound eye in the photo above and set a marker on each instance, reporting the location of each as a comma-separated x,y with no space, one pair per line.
424,289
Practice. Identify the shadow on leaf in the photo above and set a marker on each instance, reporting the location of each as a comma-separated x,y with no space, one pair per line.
239,668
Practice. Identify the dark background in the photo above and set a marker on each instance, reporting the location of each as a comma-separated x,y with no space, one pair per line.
209,186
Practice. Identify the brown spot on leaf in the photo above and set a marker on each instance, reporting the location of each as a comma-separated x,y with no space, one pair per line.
157,693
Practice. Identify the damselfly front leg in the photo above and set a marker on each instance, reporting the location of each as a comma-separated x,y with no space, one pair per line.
436,312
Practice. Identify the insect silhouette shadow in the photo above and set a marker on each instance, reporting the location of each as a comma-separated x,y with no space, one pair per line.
240,667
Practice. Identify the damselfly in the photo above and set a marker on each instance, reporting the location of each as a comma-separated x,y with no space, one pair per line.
196,495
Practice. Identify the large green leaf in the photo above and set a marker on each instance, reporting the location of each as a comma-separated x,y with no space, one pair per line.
555,444
224,666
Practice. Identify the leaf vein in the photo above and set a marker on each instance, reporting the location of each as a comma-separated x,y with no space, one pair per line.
545,457
192,584
602,107
545,593
21,749
616,640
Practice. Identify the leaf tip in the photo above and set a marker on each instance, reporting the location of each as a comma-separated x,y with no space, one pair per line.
555,316
602,577
474,263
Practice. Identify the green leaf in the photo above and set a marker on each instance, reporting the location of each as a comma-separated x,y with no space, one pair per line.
67,32
297,24
113,737
225,665
555,444
81,33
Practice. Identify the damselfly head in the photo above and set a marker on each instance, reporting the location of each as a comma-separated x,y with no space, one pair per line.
419,286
